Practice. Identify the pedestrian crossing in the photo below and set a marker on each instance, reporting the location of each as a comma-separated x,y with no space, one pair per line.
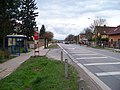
101,67
90,55
87,55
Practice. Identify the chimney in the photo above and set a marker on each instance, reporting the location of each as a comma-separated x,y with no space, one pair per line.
104,25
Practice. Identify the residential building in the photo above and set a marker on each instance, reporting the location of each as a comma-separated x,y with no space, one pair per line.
103,31
114,37
101,34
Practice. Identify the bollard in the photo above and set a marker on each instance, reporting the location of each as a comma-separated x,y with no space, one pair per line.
81,84
62,56
66,68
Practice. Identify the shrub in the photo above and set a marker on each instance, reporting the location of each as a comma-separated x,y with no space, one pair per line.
4,55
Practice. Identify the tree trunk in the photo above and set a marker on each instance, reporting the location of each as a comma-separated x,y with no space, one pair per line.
45,43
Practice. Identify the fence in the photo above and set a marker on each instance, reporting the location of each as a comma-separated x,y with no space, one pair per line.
114,44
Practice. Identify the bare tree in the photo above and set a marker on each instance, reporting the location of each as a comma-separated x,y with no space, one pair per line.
94,27
97,22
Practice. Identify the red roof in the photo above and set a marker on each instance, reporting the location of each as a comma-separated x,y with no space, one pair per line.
114,31
104,29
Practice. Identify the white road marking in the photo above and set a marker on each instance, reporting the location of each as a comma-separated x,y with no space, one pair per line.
80,52
107,73
110,63
102,85
85,54
95,78
91,57
75,61
108,56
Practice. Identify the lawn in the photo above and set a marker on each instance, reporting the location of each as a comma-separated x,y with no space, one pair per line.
40,73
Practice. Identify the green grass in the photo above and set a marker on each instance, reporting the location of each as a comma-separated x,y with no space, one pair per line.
98,47
40,74
5,56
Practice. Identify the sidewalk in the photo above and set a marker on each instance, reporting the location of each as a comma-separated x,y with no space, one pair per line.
8,67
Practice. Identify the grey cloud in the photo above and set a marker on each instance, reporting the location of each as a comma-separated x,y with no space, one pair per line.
64,11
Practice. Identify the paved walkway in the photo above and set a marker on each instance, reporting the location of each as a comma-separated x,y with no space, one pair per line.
8,67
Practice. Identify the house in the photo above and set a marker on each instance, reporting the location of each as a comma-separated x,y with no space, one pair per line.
82,38
103,31
108,35
114,37
101,34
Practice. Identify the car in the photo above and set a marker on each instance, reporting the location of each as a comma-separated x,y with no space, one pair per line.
66,42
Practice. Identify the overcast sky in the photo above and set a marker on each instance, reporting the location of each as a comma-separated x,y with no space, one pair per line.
63,17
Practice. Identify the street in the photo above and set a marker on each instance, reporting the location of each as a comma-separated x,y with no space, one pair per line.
103,66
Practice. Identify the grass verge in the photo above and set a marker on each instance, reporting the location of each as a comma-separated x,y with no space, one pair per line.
40,74
98,47
52,46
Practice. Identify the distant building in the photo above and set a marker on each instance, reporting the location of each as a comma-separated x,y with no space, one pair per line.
82,38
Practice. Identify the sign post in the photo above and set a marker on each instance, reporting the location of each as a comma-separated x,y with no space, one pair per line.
36,42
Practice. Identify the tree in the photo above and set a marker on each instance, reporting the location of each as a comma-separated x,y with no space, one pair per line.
69,38
42,35
9,10
88,34
48,35
28,15
97,22
76,38
42,32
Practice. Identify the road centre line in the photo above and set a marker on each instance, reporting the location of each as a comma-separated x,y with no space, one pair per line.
107,73
91,57
110,63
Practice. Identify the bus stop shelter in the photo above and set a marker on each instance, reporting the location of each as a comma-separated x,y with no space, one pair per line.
16,44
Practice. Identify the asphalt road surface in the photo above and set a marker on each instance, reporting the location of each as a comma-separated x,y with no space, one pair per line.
102,65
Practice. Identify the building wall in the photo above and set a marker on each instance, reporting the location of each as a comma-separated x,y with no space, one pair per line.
114,37
104,36
114,41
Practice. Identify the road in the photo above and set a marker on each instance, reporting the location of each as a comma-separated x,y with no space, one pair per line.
102,65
